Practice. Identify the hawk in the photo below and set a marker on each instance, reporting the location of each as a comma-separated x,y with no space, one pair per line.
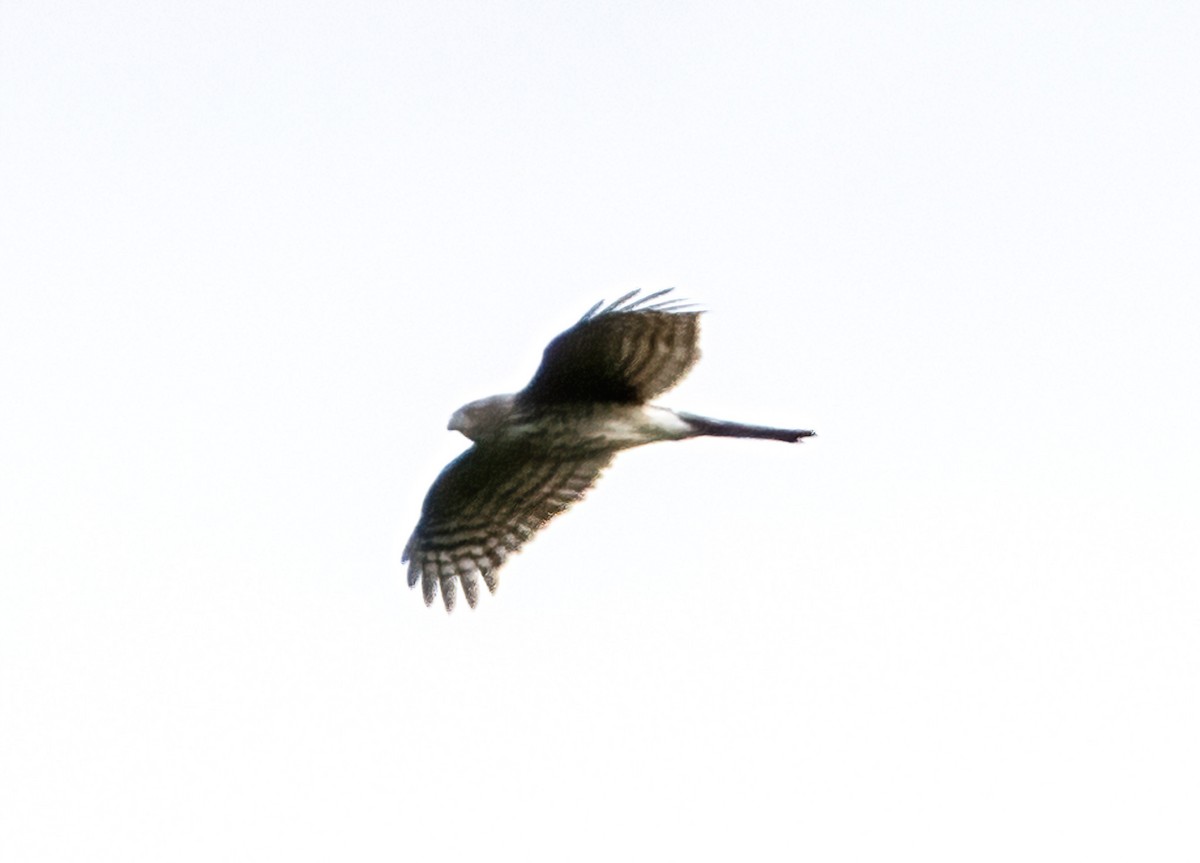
538,451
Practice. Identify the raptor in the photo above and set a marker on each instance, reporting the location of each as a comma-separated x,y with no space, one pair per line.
538,451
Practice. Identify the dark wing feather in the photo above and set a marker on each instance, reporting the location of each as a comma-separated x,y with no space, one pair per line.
486,504
628,352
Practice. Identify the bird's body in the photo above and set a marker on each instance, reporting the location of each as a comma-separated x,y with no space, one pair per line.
538,451
605,425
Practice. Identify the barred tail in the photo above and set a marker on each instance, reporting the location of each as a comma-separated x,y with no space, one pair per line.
706,427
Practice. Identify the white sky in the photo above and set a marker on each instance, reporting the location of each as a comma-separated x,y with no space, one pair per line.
254,255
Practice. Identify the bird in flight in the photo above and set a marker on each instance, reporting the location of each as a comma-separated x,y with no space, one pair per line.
538,451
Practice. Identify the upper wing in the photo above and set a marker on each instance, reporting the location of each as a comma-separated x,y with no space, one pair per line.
486,503
628,352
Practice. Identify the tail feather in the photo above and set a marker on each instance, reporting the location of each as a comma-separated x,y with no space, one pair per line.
707,427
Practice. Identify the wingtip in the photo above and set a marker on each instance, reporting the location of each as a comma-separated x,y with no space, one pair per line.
631,302
470,583
428,586
449,593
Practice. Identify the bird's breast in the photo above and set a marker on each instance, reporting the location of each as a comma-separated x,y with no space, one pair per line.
624,426
593,426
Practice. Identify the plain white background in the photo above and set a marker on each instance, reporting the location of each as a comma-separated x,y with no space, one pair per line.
253,256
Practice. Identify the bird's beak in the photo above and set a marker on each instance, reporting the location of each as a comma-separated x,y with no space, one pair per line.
456,422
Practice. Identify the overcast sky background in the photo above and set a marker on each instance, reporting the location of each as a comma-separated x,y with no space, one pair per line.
253,256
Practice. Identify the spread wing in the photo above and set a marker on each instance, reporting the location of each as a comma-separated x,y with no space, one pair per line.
486,504
628,352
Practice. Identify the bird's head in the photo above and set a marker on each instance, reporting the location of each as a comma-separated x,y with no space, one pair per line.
484,418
